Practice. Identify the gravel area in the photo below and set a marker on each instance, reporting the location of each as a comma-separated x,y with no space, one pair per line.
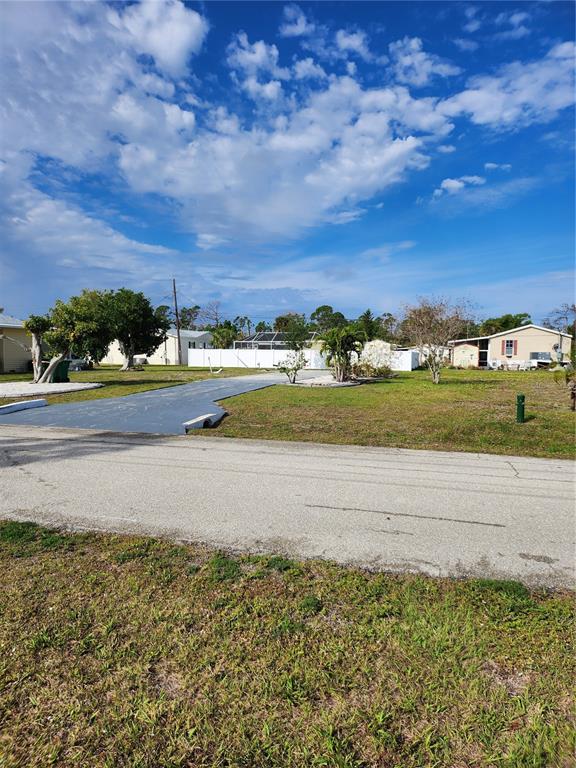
326,380
11,389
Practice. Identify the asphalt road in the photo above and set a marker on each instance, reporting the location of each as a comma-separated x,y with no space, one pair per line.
389,509
158,411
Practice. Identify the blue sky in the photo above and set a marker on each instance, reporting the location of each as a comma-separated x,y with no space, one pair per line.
279,156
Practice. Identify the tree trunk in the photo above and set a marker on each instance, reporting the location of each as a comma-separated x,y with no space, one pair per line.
128,353
48,374
37,356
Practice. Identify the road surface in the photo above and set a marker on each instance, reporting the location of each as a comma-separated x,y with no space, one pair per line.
437,513
163,411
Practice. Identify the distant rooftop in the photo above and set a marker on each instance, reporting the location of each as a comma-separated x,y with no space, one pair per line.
185,334
7,321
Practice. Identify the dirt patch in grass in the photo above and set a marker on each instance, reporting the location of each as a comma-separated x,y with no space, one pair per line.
124,651
468,411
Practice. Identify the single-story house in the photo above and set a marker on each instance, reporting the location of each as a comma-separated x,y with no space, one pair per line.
167,352
271,340
15,345
529,344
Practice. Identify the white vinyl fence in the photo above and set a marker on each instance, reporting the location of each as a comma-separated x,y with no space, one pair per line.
248,358
268,358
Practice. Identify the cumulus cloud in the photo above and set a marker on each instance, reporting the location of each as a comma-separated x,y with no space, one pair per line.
412,65
479,198
316,149
305,69
465,44
473,22
295,23
515,28
353,42
520,93
454,186
256,68
165,29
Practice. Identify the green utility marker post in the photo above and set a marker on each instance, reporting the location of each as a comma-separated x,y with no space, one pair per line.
520,404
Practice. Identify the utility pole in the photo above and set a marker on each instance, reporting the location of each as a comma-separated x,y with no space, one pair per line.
177,322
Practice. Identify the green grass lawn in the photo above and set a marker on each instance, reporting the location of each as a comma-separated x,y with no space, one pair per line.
123,651
467,411
117,383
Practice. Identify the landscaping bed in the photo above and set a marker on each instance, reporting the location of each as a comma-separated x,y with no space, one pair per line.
467,411
125,651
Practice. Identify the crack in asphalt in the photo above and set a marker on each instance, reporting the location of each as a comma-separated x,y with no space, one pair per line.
407,514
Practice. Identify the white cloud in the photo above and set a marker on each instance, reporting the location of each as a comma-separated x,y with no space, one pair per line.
295,23
412,65
465,44
255,66
353,42
165,29
514,21
305,69
497,166
454,186
473,23
479,198
382,253
520,93
446,149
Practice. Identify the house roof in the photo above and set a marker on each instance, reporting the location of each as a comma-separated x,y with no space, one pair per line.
7,321
273,337
513,330
185,334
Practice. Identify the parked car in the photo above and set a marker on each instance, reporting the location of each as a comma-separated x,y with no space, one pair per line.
78,364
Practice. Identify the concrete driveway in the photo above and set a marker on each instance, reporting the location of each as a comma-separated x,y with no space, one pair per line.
158,411
453,514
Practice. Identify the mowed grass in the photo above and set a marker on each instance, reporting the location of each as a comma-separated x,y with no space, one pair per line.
119,383
123,651
467,411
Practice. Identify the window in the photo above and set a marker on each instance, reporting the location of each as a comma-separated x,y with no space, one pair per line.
509,347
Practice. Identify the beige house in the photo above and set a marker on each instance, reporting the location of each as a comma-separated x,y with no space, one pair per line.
167,352
15,352
529,345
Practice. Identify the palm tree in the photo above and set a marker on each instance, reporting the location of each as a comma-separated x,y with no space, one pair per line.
338,346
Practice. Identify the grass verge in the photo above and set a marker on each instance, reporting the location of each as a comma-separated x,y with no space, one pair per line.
467,411
118,384
125,651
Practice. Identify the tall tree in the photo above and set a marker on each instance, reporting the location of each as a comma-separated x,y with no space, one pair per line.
80,326
282,322
188,317
138,327
502,323
211,314
323,318
37,325
262,326
430,325
297,333
563,318
244,324
388,326
369,325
